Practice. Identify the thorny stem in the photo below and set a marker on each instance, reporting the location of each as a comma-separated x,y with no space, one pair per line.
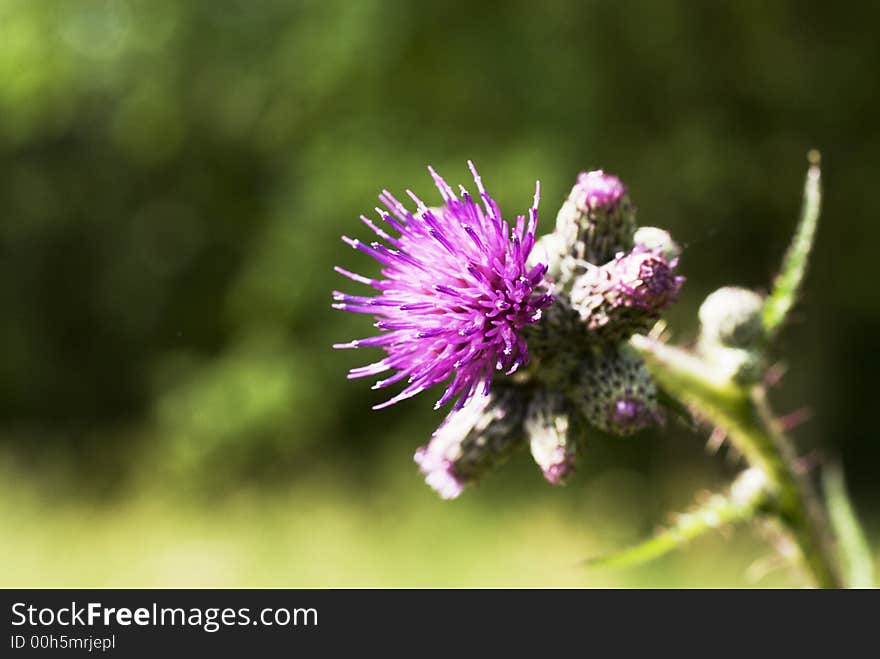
799,507
743,413
746,418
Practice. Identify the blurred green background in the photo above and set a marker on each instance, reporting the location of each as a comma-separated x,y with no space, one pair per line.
175,179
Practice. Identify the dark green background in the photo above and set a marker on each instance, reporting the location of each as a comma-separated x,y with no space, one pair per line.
175,178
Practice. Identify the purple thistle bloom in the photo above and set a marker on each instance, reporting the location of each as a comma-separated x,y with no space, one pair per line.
455,294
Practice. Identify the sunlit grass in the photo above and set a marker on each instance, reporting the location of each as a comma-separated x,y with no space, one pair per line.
321,532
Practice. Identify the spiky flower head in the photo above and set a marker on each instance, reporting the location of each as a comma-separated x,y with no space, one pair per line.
616,392
627,294
597,220
473,439
553,434
455,294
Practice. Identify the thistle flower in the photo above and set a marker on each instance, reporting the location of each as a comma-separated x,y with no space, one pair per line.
597,220
616,392
627,294
472,440
455,294
553,435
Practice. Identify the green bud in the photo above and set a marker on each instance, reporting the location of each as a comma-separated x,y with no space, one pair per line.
731,317
741,365
616,393
556,343
597,220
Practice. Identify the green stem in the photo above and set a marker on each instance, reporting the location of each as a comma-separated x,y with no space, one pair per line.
742,412
800,508
855,553
744,415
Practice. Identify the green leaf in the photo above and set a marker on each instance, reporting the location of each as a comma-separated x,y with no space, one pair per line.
794,266
746,499
854,551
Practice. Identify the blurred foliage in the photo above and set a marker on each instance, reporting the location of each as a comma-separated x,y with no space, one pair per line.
176,176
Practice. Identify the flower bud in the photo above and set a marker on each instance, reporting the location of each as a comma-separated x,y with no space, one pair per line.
556,343
626,295
472,440
658,241
553,435
731,317
550,250
741,365
597,220
615,392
